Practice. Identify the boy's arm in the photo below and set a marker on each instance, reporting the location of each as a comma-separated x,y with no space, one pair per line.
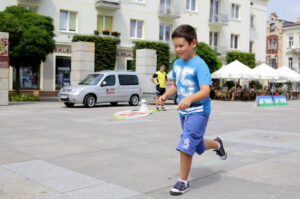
171,91
200,95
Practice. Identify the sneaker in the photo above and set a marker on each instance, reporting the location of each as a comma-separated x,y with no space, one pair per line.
157,109
179,188
162,109
221,151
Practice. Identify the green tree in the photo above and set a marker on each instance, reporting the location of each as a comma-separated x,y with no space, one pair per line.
30,37
209,56
245,58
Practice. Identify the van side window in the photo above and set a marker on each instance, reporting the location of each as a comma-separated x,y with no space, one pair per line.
109,81
128,80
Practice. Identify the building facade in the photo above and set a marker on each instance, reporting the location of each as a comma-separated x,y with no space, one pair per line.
291,46
275,38
223,24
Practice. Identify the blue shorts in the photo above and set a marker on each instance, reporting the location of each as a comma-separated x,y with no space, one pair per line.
192,139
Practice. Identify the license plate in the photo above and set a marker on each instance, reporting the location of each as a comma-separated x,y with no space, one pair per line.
63,97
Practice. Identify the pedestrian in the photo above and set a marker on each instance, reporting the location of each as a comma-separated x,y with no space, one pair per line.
192,82
159,79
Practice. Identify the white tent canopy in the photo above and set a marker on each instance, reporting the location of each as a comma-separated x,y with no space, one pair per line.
233,70
288,74
265,72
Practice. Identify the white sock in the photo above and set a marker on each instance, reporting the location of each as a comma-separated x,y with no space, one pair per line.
185,181
219,146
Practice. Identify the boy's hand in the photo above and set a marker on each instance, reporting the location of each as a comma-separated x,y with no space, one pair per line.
162,99
184,103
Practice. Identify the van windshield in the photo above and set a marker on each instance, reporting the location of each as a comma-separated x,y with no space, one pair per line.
91,79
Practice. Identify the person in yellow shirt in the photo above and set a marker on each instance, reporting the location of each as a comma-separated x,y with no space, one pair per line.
159,79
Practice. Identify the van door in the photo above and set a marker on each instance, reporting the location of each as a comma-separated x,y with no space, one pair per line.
107,90
128,86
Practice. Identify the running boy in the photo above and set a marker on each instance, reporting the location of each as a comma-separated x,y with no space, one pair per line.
192,83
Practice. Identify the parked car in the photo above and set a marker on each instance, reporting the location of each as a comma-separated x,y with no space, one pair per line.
103,87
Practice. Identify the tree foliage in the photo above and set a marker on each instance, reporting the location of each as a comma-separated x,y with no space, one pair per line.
30,37
105,50
245,58
209,56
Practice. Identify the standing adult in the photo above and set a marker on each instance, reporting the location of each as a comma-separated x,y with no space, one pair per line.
159,79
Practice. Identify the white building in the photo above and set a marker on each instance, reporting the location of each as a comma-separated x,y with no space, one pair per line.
223,24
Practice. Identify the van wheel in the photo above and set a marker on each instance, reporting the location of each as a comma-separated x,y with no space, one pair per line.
134,100
89,101
68,104
114,103
176,100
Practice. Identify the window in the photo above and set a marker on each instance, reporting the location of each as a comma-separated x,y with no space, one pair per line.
68,21
272,26
191,5
272,44
29,77
234,41
273,63
128,80
251,46
109,81
214,7
252,17
104,23
164,32
165,6
136,29
235,11
213,40
291,62
63,72
291,41
32,8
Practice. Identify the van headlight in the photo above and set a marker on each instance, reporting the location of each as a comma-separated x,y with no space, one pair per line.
76,90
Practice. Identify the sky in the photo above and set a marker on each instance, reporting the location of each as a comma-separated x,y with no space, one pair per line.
286,9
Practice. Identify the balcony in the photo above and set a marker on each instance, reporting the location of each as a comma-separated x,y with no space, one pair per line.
294,49
219,20
168,12
108,4
221,50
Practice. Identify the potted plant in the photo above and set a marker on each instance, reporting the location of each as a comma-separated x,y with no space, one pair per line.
105,32
115,33
96,32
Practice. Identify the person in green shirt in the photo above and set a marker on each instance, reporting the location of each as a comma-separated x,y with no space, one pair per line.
159,79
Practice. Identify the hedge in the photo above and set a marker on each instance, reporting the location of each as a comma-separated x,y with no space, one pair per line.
162,52
105,50
209,56
246,58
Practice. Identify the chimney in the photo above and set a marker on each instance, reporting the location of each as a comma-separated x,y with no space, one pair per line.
298,19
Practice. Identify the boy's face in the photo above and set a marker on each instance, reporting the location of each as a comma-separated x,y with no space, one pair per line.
183,49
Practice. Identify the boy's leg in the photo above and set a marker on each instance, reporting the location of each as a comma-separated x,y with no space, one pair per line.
185,165
211,144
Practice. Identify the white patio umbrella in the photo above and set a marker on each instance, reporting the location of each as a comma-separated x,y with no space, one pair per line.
286,73
234,70
265,72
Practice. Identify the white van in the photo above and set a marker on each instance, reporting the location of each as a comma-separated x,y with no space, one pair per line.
103,87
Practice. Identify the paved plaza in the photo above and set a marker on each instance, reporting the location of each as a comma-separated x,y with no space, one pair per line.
48,151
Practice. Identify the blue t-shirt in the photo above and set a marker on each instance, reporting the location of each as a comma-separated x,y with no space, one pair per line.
189,77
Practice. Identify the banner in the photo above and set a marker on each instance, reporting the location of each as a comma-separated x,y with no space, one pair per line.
4,52
270,100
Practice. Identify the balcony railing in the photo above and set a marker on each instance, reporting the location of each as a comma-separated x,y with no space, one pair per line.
108,4
221,19
294,49
168,12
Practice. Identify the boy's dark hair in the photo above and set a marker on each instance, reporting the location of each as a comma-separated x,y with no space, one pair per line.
186,31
